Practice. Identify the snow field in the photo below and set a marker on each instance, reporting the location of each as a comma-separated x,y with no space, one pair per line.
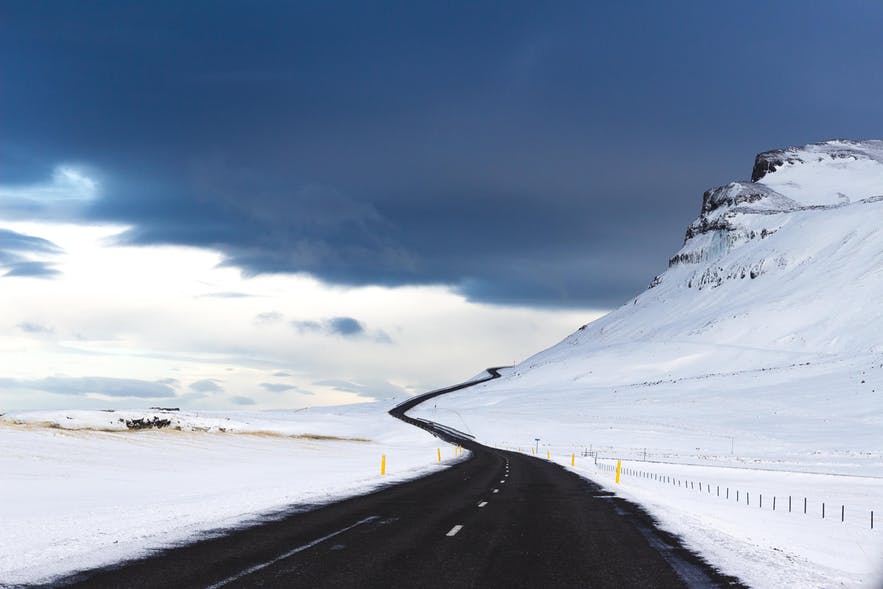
79,498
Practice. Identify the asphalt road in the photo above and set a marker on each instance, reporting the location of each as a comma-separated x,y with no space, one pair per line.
499,519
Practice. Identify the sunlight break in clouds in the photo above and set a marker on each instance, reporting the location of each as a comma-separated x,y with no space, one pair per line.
151,319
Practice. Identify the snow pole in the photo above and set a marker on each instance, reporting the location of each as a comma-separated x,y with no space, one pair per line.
618,470
573,459
383,464
439,454
548,455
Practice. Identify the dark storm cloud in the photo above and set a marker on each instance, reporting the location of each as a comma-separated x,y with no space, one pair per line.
536,154
112,387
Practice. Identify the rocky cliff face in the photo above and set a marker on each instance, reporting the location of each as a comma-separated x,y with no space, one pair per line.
812,177
838,149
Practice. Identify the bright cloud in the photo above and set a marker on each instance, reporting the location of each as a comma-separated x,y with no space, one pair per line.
120,324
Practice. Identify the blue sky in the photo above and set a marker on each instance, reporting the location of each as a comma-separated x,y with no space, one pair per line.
541,157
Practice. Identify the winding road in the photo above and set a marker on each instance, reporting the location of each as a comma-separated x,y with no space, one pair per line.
498,519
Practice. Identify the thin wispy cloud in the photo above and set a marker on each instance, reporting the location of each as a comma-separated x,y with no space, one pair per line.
35,328
28,256
207,385
269,318
110,387
31,270
277,387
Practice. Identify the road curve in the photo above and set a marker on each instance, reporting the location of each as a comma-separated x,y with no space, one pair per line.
498,519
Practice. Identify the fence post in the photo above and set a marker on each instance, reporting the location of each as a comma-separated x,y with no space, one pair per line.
823,510
789,503
842,513
804,506
774,502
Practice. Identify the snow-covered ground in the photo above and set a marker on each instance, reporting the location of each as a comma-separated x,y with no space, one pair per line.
755,359
79,489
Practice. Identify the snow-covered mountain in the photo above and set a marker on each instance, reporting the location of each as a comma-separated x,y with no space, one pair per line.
789,265
754,360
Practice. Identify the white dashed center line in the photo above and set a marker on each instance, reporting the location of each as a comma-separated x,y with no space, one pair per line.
482,504
294,551
454,530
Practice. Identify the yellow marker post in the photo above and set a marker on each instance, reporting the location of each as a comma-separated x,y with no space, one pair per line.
618,469
383,464
533,451
548,455
573,459
439,454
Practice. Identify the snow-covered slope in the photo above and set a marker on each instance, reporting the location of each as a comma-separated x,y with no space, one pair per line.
788,266
760,346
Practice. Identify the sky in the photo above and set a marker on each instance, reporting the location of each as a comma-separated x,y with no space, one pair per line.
276,205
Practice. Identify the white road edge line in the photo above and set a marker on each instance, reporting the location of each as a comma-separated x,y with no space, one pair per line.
258,567
454,530
482,504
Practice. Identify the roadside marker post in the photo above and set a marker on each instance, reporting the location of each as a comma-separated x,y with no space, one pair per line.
573,459
548,455
383,464
439,454
618,470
